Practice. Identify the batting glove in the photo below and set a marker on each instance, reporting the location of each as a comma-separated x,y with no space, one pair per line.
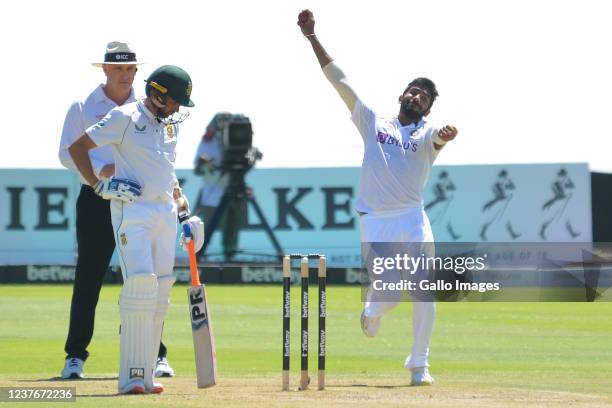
116,188
193,228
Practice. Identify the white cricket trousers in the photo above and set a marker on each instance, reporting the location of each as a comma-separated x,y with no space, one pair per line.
145,234
405,231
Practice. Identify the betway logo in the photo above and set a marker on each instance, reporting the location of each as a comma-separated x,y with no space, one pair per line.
261,275
54,273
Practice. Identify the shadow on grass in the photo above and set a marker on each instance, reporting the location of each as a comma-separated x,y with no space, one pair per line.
69,381
371,386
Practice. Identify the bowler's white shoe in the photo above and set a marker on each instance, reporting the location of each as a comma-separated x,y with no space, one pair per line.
163,369
421,376
369,325
73,369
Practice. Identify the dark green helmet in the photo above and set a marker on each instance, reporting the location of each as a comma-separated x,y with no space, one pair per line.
171,81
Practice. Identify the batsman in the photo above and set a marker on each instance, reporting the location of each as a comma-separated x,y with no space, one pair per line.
398,155
145,199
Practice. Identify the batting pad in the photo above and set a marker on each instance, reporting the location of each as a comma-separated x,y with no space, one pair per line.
163,301
137,306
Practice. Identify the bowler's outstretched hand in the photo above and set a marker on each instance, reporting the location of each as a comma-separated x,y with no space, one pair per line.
448,133
306,22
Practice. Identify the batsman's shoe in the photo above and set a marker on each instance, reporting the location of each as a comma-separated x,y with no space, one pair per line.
73,369
163,369
369,325
156,389
133,387
421,376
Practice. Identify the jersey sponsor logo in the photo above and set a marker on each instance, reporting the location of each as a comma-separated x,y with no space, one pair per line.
140,129
386,139
382,137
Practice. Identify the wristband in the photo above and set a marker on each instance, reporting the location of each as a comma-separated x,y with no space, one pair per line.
438,140
183,216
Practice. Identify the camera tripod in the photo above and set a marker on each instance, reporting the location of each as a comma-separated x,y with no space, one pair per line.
236,197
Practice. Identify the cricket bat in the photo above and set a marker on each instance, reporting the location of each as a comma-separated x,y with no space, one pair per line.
201,326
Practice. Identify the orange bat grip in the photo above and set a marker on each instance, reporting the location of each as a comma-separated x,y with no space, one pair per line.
193,264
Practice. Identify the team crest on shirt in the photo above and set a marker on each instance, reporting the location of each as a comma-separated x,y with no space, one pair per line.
170,131
123,239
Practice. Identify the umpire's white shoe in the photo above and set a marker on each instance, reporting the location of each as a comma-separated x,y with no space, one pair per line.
73,369
369,325
421,376
163,368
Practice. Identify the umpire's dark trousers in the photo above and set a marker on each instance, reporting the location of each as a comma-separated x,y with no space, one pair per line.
96,243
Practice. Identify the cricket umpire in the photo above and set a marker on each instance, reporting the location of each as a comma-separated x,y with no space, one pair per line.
94,230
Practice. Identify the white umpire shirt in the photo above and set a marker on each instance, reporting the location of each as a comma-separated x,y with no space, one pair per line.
80,116
396,162
143,148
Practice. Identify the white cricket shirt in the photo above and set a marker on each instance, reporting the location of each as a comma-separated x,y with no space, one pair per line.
80,116
396,162
143,148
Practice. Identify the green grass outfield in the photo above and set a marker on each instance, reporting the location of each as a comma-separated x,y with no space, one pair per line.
483,354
